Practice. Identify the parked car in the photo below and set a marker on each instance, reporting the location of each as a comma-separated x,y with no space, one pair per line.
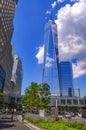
60,115
35,112
67,115
84,115
72,114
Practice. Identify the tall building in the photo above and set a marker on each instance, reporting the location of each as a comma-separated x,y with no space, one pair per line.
51,60
7,10
17,75
7,65
66,78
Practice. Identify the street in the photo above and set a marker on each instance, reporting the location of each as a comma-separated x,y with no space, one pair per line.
7,124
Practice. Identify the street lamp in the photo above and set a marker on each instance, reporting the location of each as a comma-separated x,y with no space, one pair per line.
56,110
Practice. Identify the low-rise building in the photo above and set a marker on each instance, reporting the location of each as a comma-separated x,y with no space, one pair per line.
64,102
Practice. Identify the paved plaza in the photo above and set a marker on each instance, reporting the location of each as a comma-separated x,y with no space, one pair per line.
7,124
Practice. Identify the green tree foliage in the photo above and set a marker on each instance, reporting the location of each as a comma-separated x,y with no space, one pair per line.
1,97
44,96
31,98
12,104
36,96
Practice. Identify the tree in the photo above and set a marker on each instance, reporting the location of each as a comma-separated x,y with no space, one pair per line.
44,95
36,96
31,98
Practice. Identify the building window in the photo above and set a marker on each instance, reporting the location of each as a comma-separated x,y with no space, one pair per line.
62,102
81,102
2,78
69,102
75,102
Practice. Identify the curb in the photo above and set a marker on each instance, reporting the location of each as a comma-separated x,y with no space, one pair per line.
30,125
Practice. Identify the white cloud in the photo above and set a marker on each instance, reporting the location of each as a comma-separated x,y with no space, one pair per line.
79,69
49,62
49,59
48,12
60,1
40,54
40,57
54,4
74,0
72,35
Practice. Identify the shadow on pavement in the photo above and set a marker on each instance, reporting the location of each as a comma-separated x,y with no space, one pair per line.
5,118
6,123
3,125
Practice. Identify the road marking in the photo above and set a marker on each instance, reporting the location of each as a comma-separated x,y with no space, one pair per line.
29,127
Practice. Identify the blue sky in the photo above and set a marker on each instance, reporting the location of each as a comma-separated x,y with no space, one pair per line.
28,37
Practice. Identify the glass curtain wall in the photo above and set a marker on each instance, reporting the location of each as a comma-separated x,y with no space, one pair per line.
66,78
51,60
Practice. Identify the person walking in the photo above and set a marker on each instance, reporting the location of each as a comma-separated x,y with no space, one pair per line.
23,115
12,114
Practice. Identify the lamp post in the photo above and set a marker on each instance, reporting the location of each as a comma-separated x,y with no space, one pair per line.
56,110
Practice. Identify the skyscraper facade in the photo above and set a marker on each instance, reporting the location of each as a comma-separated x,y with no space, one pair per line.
51,60
7,10
17,75
66,78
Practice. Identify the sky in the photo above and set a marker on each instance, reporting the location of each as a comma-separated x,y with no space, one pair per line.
28,37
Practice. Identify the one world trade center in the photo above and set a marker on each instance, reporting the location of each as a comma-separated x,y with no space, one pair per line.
50,73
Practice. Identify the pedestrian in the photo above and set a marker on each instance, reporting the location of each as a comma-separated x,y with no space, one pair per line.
6,110
14,110
12,114
23,115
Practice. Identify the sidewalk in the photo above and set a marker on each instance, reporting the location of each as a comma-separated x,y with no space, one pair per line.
30,125
6,123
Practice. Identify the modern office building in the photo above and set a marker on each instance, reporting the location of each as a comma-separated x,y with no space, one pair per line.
51,60
7,65
16,80
7,10
66,78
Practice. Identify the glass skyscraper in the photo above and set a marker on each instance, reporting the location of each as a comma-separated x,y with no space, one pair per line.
51,60
66,78
17,75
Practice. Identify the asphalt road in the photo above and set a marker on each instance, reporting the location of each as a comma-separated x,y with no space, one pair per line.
7,124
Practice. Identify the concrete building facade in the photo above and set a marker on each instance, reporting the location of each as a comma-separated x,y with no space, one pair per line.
65,102
7,10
